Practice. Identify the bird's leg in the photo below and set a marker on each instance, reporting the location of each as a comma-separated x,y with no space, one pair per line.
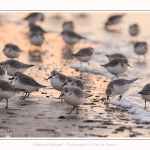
25,96
28,95
59,96
77,110
88,63
6,104
71,110
120,97
145,104
116,75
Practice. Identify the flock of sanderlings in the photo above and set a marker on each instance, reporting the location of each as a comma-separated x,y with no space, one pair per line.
72,89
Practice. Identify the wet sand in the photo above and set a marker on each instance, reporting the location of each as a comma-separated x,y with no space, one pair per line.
42,115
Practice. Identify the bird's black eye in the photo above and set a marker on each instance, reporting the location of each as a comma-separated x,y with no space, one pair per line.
70,80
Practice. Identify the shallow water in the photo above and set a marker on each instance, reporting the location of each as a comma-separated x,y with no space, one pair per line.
41,115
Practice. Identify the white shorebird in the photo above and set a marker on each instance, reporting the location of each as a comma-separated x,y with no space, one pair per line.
36,39
75,82
7,90
26,83
116,56
33,29
74,96
71,37
116,66
33,17
68,26
12,51
113,20
57,80
85,54
119,86
134,29
145,93
141,48
13,66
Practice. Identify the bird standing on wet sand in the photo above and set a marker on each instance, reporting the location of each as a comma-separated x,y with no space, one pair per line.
71,37
134,30
84,55
13,66
36,39
113,20
26,83
116,56
33,17
12,51
141,48
7,90
74,82
68,26
33,29
57,80
119,86
74,96
145,93
116,66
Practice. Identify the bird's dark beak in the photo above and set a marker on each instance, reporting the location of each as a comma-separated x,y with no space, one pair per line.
49,77
129,66
4,49
64,84
107,97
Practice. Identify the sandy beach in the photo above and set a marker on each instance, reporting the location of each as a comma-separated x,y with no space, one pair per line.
42,115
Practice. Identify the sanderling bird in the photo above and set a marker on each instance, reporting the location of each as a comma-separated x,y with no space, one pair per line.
145,93
119,86
116,66
85,54
68,26
36,39
7,90
26,83
33,17
116,56
134,30
35,29
57,80
12,51
113,20
71,37
3,72
75,82
74,96
140,48
13,66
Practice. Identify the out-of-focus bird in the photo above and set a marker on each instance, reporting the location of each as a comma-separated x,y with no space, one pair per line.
68,26
33,17
141,48
12,51
134,30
